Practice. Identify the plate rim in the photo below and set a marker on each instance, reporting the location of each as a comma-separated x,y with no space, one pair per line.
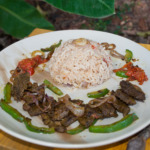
68,145
75,30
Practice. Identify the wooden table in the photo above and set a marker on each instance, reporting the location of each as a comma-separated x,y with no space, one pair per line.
8,142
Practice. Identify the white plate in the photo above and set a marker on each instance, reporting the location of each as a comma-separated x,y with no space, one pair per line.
9,58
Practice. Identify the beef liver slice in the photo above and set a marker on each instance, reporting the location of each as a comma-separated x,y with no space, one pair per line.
132,90
19,85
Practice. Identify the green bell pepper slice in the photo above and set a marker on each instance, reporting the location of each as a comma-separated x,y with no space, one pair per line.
98,94
128,56
52,47
36,129
12,111
79,129
53,88
76,130
7,92
116,126
121,74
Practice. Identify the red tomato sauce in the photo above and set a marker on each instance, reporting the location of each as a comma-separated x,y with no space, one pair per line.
133,72
29,64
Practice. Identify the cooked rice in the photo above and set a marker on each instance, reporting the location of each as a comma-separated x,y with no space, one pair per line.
80,65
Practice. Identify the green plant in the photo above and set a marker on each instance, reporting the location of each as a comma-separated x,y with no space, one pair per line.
122,9
101,25
117,30
18,18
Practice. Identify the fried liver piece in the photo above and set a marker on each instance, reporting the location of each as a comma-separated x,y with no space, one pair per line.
61,111
68,120
124,97
121,107
132,90
87,119
34,110
108,110
20,83
46,119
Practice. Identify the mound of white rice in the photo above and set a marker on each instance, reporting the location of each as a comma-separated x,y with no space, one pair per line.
80,63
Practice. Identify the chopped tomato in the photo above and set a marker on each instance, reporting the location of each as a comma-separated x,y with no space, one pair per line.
29,64
133,72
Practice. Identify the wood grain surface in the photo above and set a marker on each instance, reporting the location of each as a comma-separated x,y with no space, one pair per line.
8,142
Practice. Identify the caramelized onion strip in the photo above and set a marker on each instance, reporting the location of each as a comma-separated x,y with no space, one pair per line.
111,46
98,102
106,45
74,108
116,54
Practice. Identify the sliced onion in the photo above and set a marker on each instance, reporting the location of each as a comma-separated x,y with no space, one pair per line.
98,102
74,108
80,41
116,54
37,52
106,45
35,100
12,71
111,46
113,53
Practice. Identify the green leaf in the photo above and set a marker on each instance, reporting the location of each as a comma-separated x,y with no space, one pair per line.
89,8
19,18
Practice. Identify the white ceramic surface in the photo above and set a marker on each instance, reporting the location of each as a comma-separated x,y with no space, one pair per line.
9,58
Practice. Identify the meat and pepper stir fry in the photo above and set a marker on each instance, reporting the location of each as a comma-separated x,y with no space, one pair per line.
58,115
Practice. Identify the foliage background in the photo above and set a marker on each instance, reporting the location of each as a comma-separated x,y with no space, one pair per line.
132,20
